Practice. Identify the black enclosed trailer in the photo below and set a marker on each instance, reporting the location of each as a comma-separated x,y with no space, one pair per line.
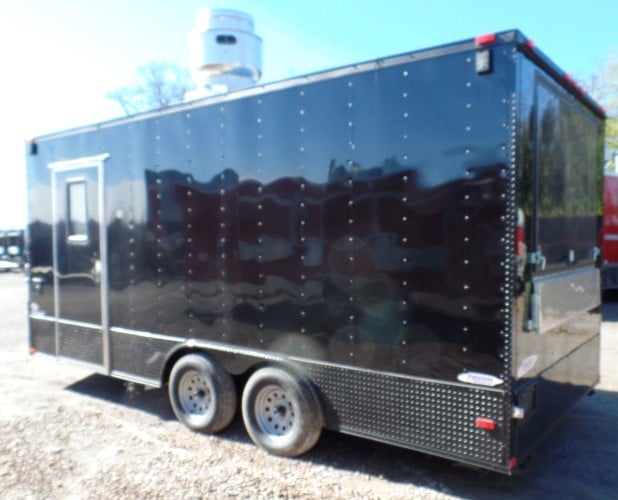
403,249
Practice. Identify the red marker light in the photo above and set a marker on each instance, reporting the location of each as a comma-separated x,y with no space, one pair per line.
530,43
519,240
485,423
568,78
487,39
578,87
33,146
512,463
520,234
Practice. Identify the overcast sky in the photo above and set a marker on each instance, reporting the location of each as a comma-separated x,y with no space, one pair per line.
61,57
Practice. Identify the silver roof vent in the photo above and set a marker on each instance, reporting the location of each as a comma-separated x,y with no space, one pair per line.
225,53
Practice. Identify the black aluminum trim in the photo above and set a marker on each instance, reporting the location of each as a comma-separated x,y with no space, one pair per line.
429,451
232,349
120,374
137,333
51,319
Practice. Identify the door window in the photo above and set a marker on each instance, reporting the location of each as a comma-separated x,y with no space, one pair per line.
77,230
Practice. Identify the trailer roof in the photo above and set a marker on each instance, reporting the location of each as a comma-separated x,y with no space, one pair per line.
524,44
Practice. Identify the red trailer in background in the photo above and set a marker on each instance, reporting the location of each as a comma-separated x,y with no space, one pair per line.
610,226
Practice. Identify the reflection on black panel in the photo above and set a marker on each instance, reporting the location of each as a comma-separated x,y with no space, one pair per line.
567,142
337,270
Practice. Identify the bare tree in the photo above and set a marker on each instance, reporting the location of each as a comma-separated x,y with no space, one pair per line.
158,85
603,86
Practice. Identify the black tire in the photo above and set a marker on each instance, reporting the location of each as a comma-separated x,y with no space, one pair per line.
202,393
281,412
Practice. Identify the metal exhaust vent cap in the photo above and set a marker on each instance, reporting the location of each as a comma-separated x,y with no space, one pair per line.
225,53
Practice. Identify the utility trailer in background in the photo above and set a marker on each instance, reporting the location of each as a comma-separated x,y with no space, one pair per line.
403,249
11,249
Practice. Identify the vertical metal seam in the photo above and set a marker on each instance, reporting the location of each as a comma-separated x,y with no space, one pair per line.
223,232
132,235
510,268
302,212
353,225
189,228
104,271
55,262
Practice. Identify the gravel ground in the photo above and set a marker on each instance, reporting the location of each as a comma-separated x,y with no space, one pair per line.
66,433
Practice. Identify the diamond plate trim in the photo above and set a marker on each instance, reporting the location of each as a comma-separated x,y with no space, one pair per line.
432,417
79,342
138,355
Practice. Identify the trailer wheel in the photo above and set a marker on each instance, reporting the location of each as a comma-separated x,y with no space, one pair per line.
281,412
202,393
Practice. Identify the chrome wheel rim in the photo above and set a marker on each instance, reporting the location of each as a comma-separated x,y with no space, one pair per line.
194,393
274,411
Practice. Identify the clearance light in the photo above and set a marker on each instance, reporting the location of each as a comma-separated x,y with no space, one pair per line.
32,350
512,463
520,247
33,146
530,43
487,39
574,84
578,87
485,423
519,240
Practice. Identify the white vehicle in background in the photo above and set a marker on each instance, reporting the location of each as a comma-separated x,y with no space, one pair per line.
11,250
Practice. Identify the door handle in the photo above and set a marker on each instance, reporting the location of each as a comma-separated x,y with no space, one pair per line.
97,271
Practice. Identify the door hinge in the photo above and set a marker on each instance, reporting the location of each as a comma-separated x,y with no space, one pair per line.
537,259
518,412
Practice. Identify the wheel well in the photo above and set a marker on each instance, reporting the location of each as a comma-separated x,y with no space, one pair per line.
239,376
171,360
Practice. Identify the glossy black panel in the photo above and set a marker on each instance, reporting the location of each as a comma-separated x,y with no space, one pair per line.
559,388
568,153
40,224
358,219
361,219
562,224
